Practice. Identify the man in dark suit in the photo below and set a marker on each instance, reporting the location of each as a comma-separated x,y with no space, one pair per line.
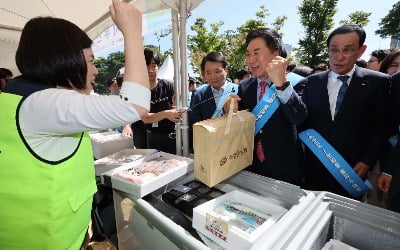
206,101
277,151
352,120
389,180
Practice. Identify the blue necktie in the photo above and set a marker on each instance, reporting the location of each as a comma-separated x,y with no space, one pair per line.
342,92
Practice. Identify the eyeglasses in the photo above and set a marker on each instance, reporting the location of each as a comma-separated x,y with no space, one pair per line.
371,61
345,52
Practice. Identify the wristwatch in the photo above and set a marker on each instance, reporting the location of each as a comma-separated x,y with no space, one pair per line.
284,86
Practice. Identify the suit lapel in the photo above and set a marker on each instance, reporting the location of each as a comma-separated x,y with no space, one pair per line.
209,106
252,92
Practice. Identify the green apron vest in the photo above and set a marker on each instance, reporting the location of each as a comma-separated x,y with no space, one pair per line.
44,205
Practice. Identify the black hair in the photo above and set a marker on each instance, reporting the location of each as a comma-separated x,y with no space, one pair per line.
120,79
51,51
349,28
6,72
380,54
214,57
302,70
389,60
361,63
320,67
271,37
151,55
241,73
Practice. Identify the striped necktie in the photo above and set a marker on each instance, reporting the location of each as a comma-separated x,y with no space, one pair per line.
342,92
259,147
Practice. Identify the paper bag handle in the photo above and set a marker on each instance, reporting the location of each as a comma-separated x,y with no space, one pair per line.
230,114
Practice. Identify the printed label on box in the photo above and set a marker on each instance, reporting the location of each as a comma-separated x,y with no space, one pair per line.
217,227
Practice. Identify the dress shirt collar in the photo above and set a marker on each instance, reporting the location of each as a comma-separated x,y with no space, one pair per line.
267,80
214,90
333,76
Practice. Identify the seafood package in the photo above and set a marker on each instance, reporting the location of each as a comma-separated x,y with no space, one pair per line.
149,170
242,216
237,220
107,166
144,176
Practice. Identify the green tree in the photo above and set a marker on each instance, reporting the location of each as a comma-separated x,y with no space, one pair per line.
358,17
317,18
204,41
230,42
390,24
236,58
108,69
161,34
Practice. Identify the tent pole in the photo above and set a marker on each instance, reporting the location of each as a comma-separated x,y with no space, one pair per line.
177,79
184,128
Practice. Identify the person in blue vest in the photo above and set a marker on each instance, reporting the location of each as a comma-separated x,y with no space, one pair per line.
346,110
207,101
47,177
278,109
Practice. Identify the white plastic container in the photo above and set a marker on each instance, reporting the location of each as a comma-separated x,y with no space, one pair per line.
107,143
139,190
219,228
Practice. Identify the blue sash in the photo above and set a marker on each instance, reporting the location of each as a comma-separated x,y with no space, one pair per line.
230,88
335,163
269,103
394,139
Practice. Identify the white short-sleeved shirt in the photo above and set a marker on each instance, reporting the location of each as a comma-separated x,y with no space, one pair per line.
47,117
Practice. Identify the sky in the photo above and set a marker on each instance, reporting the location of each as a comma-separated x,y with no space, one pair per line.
236,12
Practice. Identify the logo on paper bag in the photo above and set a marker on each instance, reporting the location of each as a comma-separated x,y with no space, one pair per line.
235,155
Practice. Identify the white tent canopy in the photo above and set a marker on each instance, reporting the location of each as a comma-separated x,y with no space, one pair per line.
166,70
92,16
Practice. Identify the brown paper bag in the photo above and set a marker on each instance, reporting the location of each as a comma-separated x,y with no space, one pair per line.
223,146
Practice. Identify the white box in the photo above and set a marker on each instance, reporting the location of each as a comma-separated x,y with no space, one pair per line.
139,190
106,166
217,227
107,143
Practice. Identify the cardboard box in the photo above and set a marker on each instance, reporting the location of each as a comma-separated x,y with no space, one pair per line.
221,229
222,148
107,143
139,190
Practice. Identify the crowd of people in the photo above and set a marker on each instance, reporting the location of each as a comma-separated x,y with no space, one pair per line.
352,111
344,103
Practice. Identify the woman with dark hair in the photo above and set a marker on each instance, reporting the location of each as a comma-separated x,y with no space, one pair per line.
391,63
377,56
48,181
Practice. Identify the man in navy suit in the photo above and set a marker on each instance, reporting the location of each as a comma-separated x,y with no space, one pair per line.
389,180
355,126
206,101
277,152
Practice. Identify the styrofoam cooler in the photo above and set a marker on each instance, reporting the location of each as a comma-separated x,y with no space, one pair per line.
107,143
356,224
311,220
158,219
